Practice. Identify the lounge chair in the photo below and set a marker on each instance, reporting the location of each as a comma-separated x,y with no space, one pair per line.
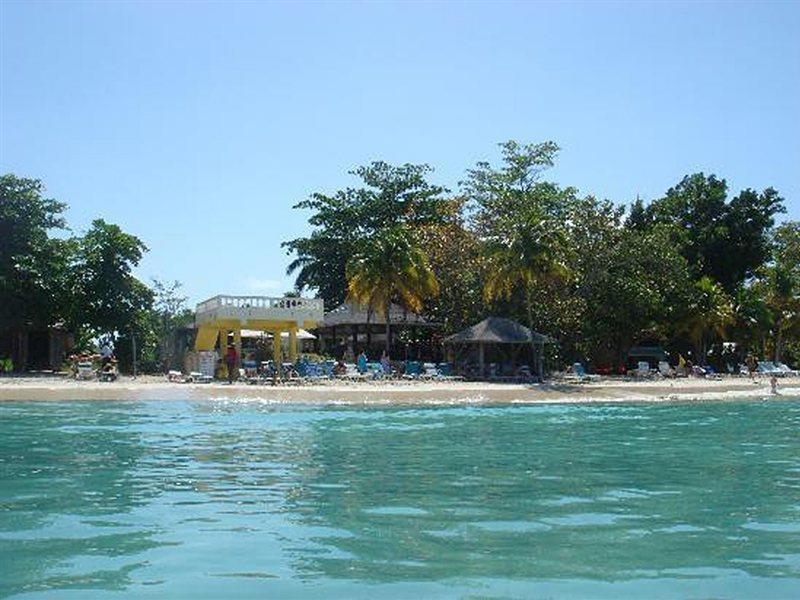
665,370
413,370
84,370
786,370
579,373
643,369
352,373
197,377
430,371
768,368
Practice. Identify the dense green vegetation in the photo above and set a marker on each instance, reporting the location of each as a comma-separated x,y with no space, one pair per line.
83,283
689,270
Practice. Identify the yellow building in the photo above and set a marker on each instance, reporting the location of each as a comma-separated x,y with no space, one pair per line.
218,317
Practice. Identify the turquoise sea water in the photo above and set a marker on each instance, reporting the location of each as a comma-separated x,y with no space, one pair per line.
226,499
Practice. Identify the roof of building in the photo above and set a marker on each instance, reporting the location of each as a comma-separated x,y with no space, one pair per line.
497,330
352,314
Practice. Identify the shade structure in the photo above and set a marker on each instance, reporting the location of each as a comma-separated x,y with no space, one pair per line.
350,327
351,313
497,330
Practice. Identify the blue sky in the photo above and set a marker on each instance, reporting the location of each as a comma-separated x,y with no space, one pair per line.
197,126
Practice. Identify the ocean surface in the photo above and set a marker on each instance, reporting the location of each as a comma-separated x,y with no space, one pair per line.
249,499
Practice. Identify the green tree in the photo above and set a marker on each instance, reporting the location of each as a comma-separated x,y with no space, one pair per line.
783,301
110,296
727,241
632,283
390,267
708,317
780,286
526,257
522,223
752,318
34,266
171,313
391,196
498,195
455,255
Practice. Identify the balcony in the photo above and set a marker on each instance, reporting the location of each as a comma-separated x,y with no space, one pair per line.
249,309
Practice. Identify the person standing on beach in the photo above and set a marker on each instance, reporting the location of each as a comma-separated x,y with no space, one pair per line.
231,359
752,365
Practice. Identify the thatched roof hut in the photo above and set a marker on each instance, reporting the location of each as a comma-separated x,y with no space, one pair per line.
501,332
497,330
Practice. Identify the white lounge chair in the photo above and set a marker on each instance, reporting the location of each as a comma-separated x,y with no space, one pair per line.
786,370
84,370
767,367
665,370
643,369
430,371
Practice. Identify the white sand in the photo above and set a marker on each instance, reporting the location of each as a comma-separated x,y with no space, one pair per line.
400,392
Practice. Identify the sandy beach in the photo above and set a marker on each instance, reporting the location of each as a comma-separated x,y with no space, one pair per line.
399,392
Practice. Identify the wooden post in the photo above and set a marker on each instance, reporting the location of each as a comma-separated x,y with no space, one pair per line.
223,349
237,342
277,352
293,345
481,358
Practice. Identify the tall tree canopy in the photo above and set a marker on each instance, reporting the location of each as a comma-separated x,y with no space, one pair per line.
33,265
392,196
389,268
109,295
726,241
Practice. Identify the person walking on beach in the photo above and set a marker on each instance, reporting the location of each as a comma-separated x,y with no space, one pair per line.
752,365
773,385
231,359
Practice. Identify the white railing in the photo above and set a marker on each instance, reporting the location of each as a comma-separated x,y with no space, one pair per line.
245,308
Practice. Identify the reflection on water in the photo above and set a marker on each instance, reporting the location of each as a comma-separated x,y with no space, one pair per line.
226,498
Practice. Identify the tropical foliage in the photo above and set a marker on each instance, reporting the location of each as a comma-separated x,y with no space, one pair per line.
83,283
390,267
689,270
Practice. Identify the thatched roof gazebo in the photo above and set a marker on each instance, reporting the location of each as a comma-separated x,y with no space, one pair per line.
498,331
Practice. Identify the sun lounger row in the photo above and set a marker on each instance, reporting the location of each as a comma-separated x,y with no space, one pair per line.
778,369
307,372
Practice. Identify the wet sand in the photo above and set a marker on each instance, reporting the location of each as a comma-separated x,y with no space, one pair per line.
46,388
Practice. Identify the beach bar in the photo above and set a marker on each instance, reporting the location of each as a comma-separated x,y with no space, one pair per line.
218,317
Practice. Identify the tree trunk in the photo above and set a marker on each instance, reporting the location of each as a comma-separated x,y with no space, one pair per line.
778,344
529,309
369,328
19,350
388,332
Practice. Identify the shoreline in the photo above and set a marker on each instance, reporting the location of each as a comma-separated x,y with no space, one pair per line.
401,393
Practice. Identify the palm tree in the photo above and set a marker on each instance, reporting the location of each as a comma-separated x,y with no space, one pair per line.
783,301
527,256
390,268
710,315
